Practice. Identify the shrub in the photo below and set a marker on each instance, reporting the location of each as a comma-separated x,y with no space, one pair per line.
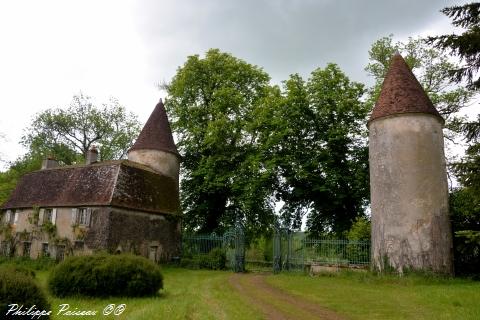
8,267
216,259
467,253
44,263
106,275
19,288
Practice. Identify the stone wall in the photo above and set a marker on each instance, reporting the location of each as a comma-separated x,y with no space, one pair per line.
409,194
151,235
110,229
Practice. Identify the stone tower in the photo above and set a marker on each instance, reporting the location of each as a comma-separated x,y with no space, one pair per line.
155,147
408,182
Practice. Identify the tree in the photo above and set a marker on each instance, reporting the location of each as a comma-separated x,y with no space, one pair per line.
211,104
9,178
465,46
68,134
314,138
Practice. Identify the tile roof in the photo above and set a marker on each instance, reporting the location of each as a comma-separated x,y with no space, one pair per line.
402,93
156,134
120,183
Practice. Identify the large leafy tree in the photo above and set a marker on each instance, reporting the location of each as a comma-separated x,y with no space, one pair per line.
314,135
67,134
211,103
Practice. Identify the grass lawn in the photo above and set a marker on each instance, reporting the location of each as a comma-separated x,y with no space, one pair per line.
187,294
366,296
202,294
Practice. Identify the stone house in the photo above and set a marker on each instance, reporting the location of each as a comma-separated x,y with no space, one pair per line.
116,206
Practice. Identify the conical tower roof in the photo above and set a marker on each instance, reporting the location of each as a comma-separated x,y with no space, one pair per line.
402,93
156,134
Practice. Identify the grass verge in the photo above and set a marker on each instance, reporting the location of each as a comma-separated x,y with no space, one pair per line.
367,296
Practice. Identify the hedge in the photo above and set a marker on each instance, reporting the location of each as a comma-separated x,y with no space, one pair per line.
106,275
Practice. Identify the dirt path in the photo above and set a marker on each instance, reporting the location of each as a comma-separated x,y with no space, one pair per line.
275,303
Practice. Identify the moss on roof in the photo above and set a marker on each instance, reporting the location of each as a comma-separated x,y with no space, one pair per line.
120,183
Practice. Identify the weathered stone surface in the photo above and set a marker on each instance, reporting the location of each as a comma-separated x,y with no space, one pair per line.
409,194
137,232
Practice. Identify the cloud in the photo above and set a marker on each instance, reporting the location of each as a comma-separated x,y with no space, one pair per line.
283,36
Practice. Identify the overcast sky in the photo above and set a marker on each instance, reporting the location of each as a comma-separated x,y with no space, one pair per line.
51,50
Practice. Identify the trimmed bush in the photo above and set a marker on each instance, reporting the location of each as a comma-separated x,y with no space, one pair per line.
106,275
17,268
20,288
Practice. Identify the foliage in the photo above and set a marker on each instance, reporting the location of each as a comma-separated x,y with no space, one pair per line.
465,209
313,138
216,259
211,105
466,46
9,178
67,134
360,230
106,275
465,212
41,263
10,267
467,253
20,288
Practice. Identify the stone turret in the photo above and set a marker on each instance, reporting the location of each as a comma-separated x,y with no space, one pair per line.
408,181
155,146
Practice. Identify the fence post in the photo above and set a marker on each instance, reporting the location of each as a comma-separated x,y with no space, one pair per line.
239,247
277,251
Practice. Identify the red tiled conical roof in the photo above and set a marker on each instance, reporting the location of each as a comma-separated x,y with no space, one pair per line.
156,134
402,93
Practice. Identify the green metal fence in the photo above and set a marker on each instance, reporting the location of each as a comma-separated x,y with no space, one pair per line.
215,252
282,251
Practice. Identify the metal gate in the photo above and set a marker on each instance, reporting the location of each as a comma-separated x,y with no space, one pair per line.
283,250
211,251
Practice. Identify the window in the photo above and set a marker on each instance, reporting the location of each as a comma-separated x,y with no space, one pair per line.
45,250
82,216
47,216
10,217
26,249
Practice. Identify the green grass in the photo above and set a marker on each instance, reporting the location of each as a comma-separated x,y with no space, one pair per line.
205,294
187,294
367,296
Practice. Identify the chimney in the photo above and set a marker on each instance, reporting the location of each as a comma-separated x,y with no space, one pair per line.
92,155
49,163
